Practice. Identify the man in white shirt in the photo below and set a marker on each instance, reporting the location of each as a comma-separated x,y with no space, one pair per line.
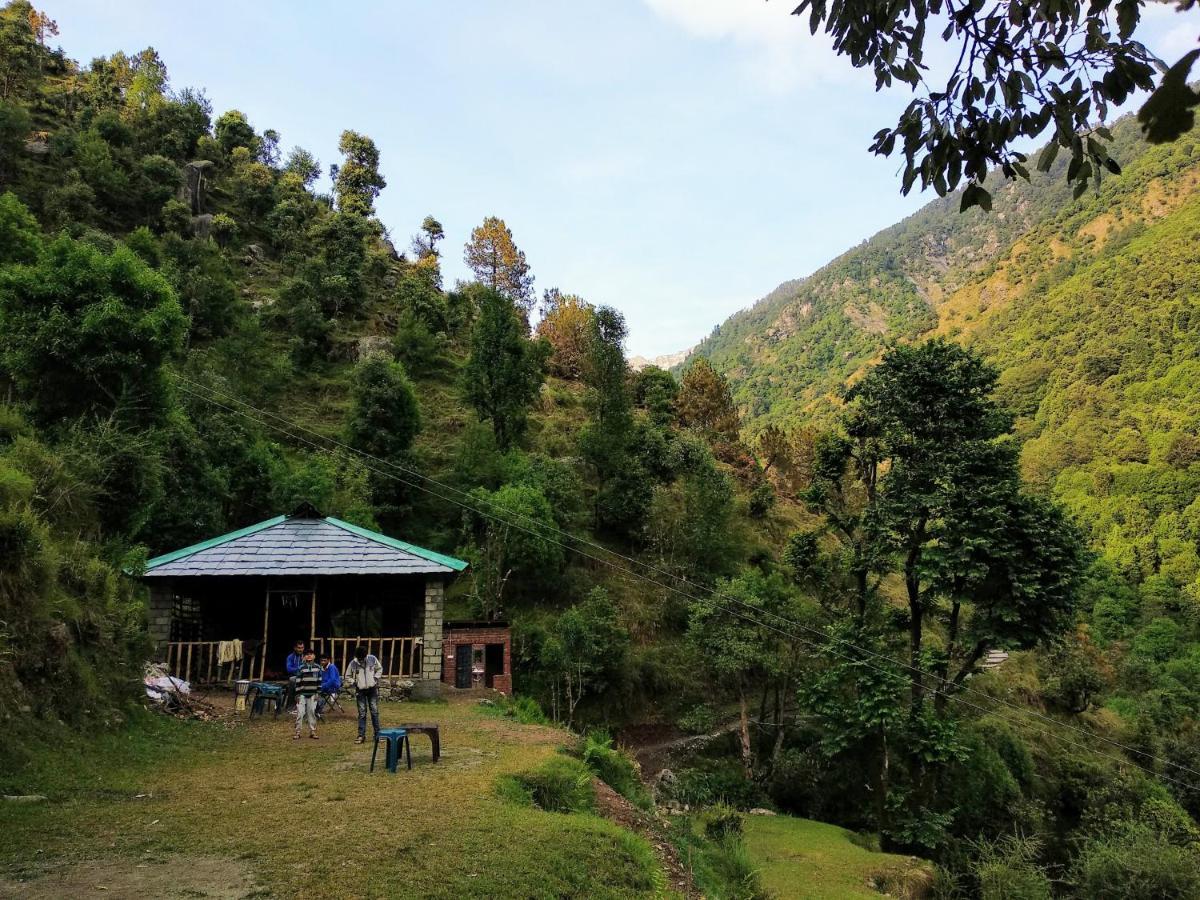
364,673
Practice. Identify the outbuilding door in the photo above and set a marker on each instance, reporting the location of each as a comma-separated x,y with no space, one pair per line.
462,666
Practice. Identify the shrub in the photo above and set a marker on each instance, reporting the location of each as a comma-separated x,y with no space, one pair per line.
1007,869
699,719
723,824
1136,863
716,781
615,768
525,710
562,784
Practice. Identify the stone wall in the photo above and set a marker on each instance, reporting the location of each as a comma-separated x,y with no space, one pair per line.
431,649
162,603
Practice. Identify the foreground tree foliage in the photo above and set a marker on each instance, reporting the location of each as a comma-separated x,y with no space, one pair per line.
1022,68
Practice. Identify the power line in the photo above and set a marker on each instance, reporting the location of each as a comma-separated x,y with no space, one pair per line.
826,638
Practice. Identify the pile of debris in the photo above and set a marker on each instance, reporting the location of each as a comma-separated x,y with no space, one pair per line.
174,697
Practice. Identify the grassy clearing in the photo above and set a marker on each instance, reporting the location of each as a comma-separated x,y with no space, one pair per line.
799,858
306,816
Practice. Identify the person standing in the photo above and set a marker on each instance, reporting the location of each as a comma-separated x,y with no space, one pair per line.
293,663
308,685
364,673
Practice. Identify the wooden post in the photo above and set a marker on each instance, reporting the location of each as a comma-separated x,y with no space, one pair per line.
312,631
262,666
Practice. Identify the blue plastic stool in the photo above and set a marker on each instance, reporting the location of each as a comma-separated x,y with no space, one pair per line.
397,738
264,693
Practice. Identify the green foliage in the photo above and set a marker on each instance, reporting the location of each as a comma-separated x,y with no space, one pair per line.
87,332
585,651
384,417
1136,863
562,784
1008,869
358,181
510,542
505,370
996,94
615,768
20,240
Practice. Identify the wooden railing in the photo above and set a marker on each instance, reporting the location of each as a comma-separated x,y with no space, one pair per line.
399,656
199,662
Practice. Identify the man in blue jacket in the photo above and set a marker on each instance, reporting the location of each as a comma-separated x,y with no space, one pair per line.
293,663
331,683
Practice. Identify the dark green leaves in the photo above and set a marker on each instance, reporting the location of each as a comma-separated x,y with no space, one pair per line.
974,195
1023,67
1169,111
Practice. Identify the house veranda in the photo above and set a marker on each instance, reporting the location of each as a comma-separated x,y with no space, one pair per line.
232,607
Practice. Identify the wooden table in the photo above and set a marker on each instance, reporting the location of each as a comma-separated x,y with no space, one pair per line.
428,728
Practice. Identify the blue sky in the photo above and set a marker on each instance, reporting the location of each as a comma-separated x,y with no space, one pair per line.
675,159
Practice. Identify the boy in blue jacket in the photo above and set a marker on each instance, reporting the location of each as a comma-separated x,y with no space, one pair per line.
331,683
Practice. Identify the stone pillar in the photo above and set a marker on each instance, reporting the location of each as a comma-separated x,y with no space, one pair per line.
430,684
161,605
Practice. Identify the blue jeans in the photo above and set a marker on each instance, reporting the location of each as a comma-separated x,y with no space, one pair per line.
368,698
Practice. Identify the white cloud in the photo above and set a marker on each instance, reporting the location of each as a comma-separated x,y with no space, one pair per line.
778,52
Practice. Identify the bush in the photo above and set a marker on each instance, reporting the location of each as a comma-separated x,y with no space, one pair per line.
714,782
1007,870
723,824
615,768
699,719
562,784
525,710
1136,863
762,498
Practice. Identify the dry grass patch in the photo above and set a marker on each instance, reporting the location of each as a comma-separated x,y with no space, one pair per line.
306,816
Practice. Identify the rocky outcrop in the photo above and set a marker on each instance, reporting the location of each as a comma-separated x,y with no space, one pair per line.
197,183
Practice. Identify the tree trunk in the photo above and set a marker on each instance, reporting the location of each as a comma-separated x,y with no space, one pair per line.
912,583
744,732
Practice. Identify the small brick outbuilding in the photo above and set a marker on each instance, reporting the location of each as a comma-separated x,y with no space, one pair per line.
477,655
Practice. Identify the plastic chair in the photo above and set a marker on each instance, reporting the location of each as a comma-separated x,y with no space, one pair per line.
397,739
264,693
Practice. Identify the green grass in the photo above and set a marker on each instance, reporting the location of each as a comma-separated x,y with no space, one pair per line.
799,858
306,817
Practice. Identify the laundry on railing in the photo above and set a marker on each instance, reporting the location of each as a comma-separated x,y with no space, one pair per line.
229,651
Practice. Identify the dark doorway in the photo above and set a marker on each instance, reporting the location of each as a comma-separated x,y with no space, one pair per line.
462,666
493,662
290,620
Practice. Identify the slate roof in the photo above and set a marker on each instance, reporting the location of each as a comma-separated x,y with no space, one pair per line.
302,545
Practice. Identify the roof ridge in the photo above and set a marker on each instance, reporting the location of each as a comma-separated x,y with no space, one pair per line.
450,562
213,542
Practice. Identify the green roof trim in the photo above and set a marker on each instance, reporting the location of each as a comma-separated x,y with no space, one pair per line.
213,542
457,565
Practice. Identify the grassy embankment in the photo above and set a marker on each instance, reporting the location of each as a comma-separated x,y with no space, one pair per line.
167,808
807,860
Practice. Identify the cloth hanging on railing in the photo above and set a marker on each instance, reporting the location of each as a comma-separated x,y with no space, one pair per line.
229,651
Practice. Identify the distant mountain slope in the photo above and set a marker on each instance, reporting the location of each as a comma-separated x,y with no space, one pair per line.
790,354
1091,310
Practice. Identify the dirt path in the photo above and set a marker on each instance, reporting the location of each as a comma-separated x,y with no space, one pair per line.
617,809
172,877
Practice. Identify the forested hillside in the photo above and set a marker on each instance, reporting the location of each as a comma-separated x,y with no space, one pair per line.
1086,306
197,337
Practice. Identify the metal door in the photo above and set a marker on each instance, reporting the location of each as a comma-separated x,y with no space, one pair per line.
462,666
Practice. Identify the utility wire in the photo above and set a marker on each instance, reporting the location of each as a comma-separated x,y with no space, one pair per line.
471,505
